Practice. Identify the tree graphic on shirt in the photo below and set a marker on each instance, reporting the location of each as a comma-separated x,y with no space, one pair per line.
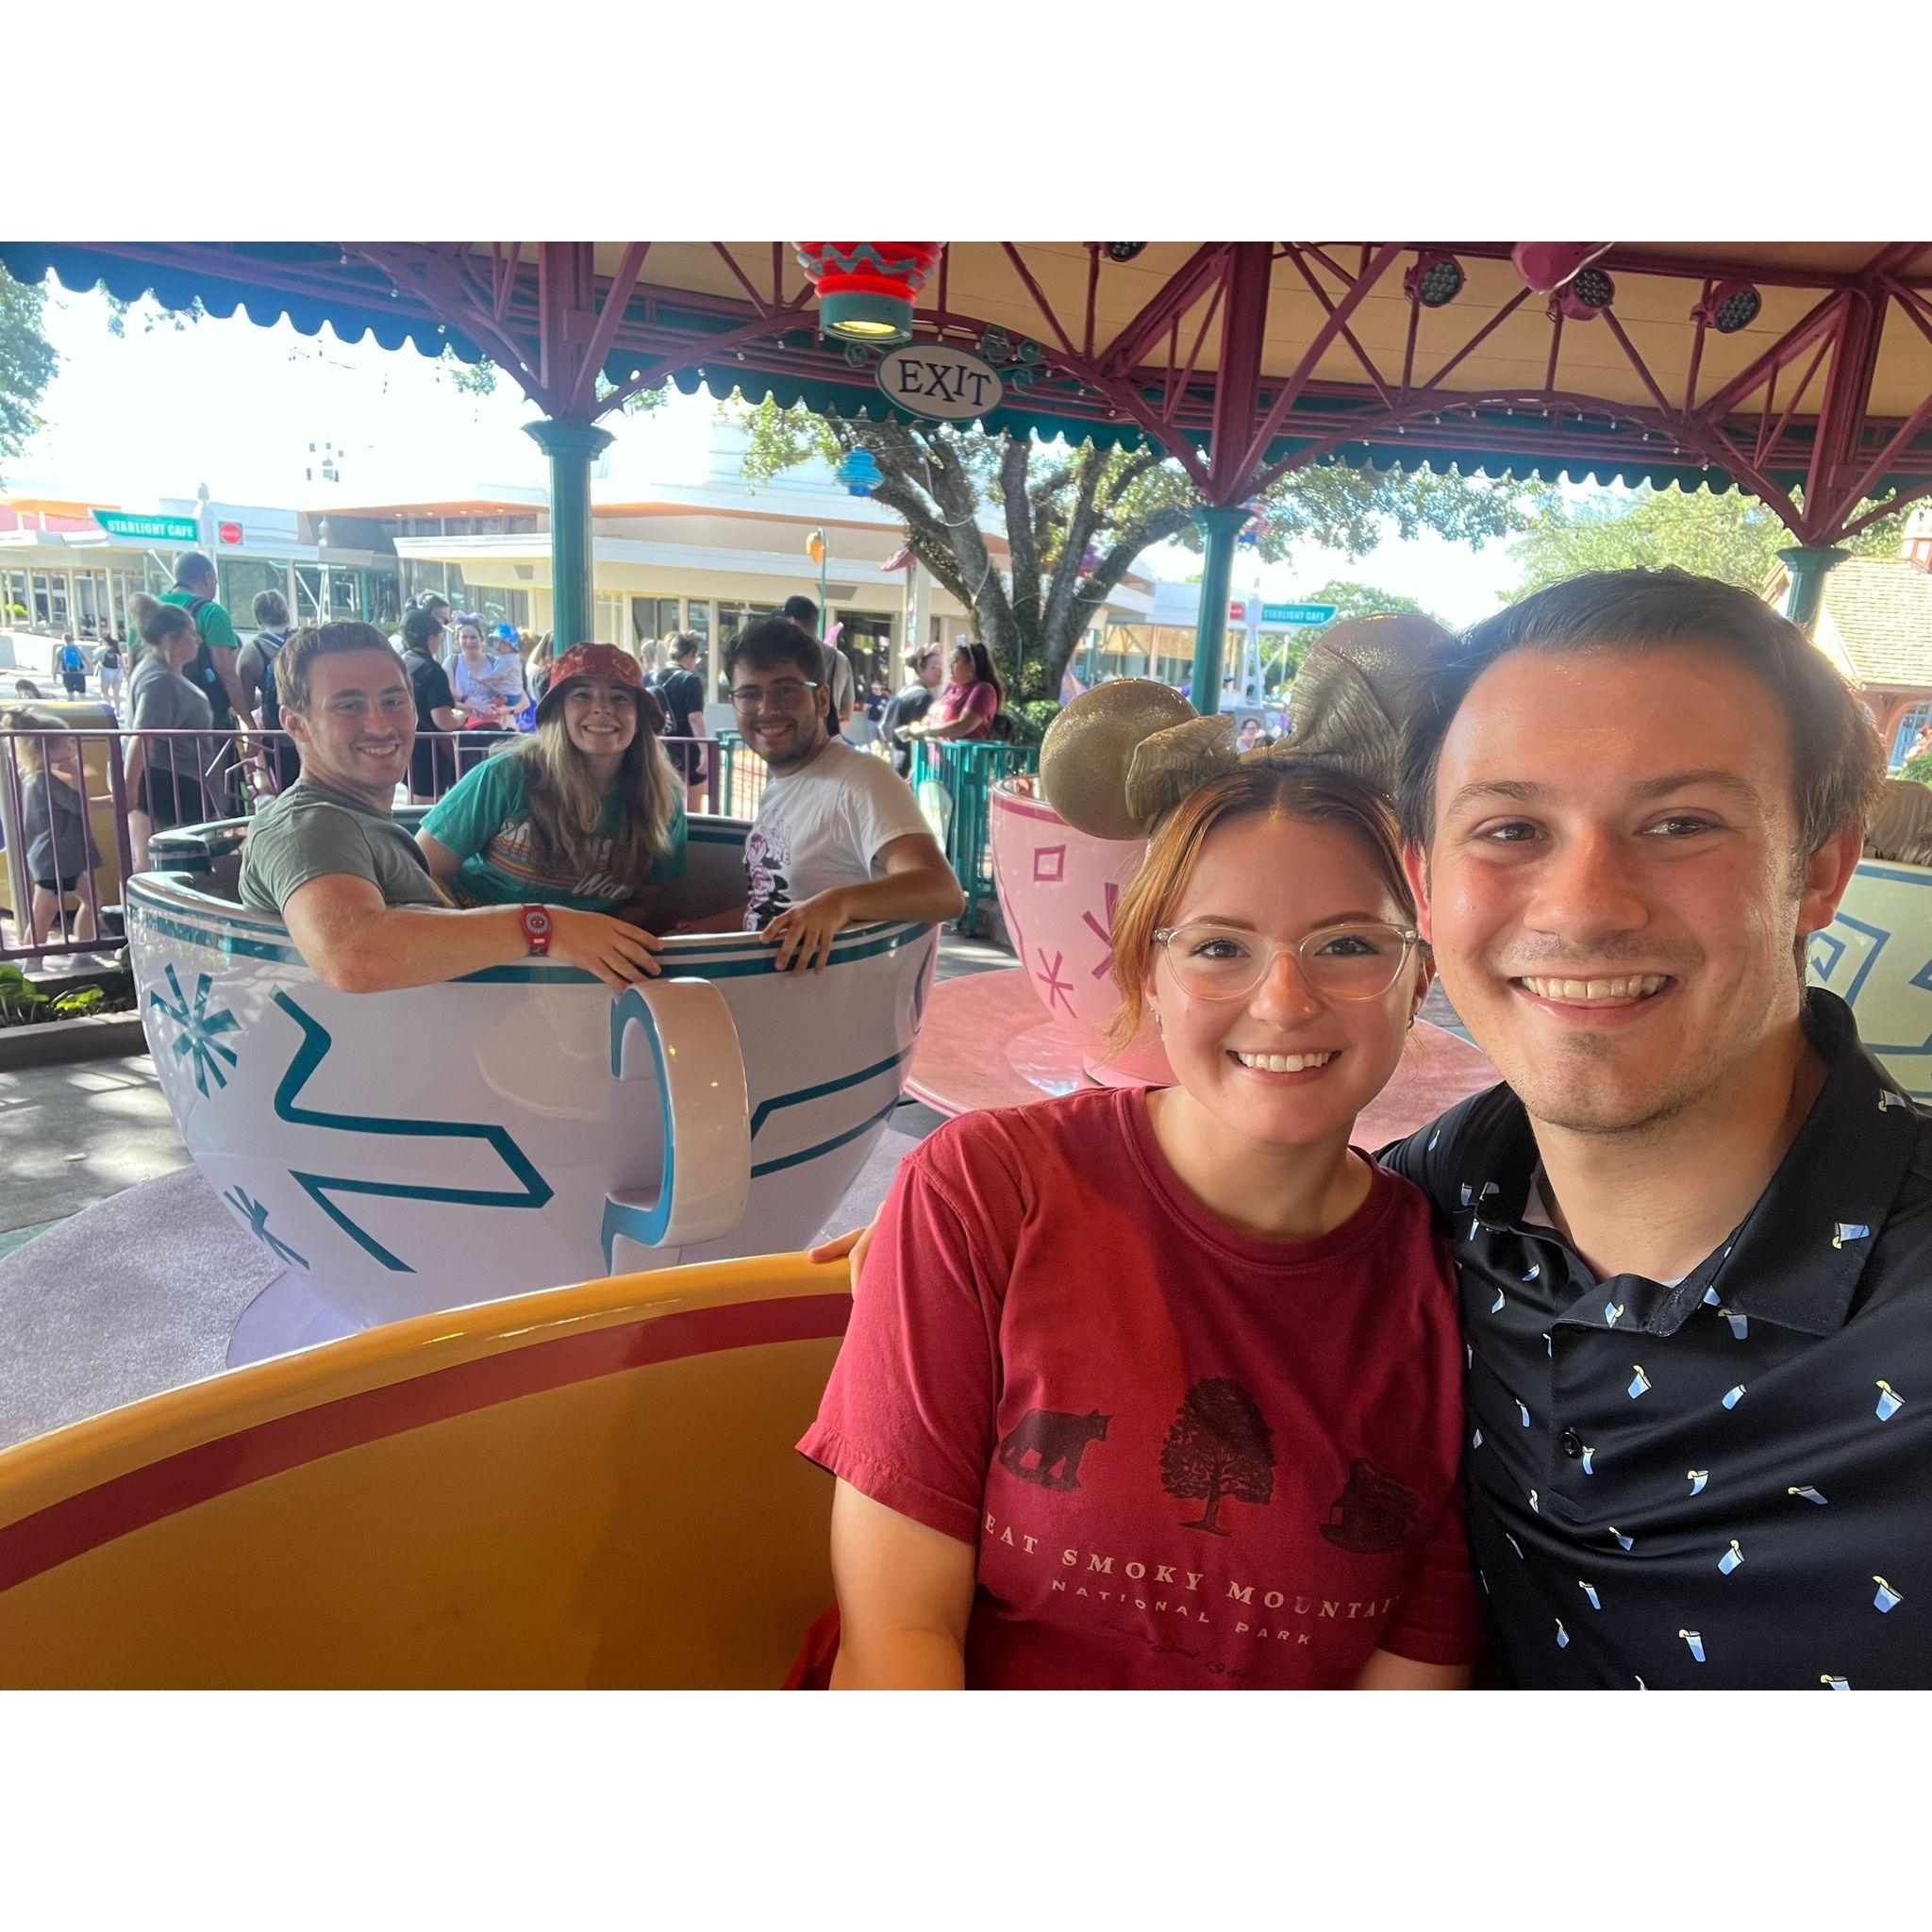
1220,1446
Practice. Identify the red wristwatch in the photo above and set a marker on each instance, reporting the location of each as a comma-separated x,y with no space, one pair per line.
537,929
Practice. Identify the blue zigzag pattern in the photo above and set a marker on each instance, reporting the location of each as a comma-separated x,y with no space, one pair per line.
532,1189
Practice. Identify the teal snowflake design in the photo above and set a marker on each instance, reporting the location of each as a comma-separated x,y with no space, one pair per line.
256,1217
201,1029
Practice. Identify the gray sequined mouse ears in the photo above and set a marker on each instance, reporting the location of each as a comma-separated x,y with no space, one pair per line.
1122,756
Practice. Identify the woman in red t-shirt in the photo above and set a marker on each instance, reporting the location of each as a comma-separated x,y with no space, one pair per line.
971,700
1163,1388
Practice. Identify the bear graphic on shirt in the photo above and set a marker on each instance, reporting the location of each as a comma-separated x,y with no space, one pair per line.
1057,1441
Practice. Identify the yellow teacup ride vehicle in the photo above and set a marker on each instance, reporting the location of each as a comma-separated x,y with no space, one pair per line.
589,1486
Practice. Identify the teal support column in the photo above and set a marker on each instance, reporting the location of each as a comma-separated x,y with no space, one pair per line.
1218,529
1808,566
572,447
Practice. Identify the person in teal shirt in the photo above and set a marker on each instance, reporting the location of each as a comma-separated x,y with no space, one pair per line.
585,812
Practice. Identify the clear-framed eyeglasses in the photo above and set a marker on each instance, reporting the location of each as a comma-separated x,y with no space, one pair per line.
1354,960
786,694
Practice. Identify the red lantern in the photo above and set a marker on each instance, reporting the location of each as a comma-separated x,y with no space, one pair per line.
866,288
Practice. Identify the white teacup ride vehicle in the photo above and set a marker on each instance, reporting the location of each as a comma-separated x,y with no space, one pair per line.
525,1127
1877,954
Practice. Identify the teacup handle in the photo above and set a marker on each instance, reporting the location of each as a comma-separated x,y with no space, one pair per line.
699,1067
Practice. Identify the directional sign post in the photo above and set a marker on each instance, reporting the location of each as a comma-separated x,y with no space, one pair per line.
1297,613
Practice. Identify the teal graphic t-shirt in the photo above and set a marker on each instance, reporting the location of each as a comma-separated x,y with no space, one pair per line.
484,820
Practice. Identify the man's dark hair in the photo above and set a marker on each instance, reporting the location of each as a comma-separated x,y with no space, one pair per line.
421,629
684,644
191,567
802,610
769,643
1838,763
428,600
322,641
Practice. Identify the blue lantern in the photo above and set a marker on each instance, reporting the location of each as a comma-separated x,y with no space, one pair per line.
860,472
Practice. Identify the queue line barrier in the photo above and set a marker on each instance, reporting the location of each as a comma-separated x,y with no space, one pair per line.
953,779
196,777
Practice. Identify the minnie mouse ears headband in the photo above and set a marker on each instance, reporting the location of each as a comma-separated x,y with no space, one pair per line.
1120,757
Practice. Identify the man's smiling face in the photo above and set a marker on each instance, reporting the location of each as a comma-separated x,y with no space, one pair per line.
1615,887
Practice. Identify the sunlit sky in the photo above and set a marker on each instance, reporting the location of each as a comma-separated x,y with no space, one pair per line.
159,410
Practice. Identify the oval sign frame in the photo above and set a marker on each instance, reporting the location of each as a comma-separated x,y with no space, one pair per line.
938,381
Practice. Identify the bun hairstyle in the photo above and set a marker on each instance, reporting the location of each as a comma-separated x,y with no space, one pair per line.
1901,828
1122,756
157,621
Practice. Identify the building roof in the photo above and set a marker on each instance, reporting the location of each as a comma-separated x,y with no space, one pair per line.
1877,621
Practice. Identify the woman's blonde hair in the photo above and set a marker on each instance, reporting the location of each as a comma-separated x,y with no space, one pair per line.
31,752
567,808
1309,793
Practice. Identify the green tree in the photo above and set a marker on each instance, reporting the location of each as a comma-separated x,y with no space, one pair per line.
1353,599
28,362
1729,536
1075,520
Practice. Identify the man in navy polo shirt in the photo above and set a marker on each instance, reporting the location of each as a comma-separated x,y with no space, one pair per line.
1694,1228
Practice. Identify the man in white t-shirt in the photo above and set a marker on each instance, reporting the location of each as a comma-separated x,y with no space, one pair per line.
838,838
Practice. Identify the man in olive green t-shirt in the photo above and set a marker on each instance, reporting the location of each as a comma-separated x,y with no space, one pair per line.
349,882
214,666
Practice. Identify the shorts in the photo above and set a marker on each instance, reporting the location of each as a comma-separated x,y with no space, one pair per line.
689,759
76,682
65,888
170,798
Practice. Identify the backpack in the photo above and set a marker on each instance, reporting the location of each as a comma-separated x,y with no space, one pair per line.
71,658
271,703
1005,727
202,666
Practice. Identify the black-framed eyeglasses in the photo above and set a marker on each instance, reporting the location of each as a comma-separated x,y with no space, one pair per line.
1356,961
786,694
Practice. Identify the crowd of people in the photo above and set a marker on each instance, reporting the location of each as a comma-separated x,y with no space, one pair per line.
477,690
560,843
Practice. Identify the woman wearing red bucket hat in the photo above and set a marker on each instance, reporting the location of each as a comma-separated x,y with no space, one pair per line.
585,812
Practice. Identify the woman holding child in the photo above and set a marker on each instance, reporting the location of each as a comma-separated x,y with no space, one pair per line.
586,811
1163,1388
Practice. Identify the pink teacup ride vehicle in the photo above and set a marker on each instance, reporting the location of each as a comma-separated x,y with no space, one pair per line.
1025,1032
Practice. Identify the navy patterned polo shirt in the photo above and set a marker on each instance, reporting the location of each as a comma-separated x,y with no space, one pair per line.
1724,1483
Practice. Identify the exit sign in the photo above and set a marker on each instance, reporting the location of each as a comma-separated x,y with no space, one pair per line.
1297,613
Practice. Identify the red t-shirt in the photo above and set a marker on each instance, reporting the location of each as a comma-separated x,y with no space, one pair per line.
978,701
1187,1457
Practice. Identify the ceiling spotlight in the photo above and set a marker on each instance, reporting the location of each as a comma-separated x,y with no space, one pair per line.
1547,265
1586,298
1123,251
1435,280
1728,308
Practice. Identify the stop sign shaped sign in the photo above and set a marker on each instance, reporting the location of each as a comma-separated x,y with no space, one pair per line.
231,533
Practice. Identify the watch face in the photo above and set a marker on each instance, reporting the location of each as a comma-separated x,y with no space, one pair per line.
536,922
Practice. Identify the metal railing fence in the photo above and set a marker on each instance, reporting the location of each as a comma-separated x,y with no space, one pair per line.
965,770
122,786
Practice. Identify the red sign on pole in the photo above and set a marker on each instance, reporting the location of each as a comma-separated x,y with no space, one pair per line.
1236,613
230,533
